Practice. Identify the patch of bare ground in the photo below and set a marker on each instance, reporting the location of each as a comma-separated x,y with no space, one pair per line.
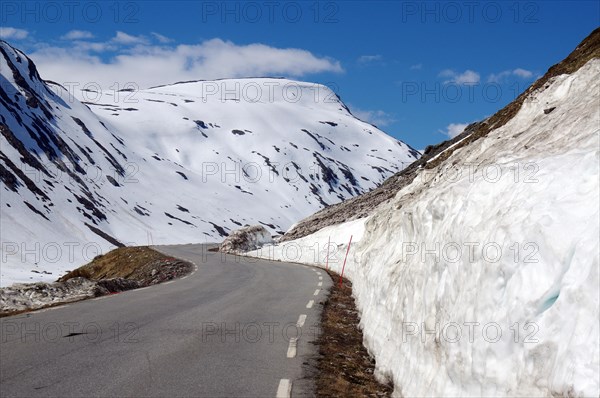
122,269
344,367
140,264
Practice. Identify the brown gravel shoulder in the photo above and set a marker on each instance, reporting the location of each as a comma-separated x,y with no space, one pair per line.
344,367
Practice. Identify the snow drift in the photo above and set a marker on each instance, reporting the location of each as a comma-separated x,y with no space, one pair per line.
480,278
246,239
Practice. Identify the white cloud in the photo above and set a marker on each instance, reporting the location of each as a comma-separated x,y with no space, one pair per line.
161,38
377,117
124,38
454,129
365,59
7,33
467,77
416,67
519,72
148,65
120,39
88,46
77,35
523,73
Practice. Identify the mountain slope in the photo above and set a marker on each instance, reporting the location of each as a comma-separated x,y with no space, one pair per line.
478,274
295,133
170,164
363,205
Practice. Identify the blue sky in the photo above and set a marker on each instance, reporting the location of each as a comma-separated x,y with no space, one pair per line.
418,70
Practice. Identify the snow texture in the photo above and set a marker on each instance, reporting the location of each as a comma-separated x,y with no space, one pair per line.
187,162
481,277
246,239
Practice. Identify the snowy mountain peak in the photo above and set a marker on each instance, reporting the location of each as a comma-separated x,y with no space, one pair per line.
185,162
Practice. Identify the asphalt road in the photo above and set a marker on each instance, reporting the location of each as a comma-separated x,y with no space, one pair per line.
236,327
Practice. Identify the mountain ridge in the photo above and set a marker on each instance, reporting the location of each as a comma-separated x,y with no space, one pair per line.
170,164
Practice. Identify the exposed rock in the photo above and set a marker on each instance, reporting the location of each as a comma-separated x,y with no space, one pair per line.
115,285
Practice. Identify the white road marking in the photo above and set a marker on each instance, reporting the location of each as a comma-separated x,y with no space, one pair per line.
301,321
317,292
320,278
285,389
320,284
310,304
318,273
291,352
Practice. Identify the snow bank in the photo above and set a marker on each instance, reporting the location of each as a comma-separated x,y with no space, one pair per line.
245,239
29,296
481,277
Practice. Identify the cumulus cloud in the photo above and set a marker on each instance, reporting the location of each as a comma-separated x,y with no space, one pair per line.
8,33
77,35
467,77
454,129
365,59
519,72
150,65
377,117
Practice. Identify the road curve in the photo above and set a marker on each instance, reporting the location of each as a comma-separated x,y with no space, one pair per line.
236,327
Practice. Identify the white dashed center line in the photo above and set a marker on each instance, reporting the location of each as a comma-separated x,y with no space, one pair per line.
285,389
320,284
301,321
291,352
310,304
317,292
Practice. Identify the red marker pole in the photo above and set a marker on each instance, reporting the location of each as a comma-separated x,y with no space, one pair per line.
327,260
345,258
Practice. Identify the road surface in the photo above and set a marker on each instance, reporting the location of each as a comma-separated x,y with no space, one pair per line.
236,327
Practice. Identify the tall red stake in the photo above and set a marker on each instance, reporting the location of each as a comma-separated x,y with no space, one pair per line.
345,258
327,259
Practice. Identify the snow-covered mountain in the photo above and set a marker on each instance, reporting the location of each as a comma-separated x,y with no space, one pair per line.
187,162
478,274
